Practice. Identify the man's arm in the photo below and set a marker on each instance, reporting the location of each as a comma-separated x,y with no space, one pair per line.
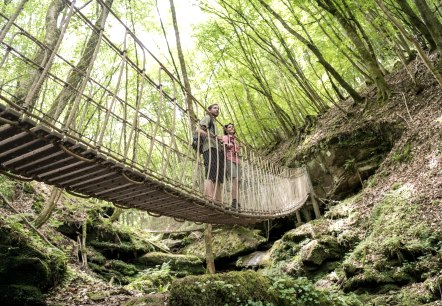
203,129
203,125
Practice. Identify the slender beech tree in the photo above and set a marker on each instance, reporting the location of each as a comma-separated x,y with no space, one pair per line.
189,98
433,24
362,43
416,23
52,34
78,73
351,91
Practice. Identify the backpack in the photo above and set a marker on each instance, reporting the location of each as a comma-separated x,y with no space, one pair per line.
195,145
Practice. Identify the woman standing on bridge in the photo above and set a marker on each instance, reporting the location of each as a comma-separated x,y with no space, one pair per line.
233,170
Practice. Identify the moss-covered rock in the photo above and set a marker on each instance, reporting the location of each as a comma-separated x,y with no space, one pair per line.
338,163
233,288
318,251
185,264
227,243
116,241
118,270
147,300
307,247
26,260
255,260
398,250
98,296
28,266
153,280
18,295
95,256
122,267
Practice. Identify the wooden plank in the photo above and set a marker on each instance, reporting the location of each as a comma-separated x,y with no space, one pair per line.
93,180
19,150
72,173
80,178
62,160
16,138
109,183
10,114
113,190
133,194
30,155
7,130
39,160
64,169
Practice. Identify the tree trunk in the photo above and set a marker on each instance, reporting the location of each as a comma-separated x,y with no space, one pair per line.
116,214
364,49
437,75
83,244
52,34
316,52
46,213
416,22
189,101
77,74
431,21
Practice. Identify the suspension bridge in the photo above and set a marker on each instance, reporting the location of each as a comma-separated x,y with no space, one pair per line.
85,106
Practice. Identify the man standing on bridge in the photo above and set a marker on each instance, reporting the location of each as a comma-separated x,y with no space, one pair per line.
212,154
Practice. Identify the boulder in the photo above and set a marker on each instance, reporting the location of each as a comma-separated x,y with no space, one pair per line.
338,163
256,259
316,252
181,263
233,288
227,243
28,267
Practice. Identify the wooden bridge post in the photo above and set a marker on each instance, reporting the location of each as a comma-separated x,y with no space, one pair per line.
313,197
210,262
298,217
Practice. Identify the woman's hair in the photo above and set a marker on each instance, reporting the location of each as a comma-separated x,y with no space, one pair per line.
225,126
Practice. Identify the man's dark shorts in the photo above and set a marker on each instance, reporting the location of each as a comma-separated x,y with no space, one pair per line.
214,165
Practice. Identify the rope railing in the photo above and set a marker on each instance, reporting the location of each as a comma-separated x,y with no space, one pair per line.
100,87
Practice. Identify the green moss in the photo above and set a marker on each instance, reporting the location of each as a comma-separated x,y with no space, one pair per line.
97,296
301,292
403,155
95,256
38,203
15,295
110,274
29,188
125,247
122,267
228,243
183,264
233,288
151,300
399,247
26,259
153,280
7,186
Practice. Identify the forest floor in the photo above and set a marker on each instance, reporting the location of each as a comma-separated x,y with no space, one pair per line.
416,157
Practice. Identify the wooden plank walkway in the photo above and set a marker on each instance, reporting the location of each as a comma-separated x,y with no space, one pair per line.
36,152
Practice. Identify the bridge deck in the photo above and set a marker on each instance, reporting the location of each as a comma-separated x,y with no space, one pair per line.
35,151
